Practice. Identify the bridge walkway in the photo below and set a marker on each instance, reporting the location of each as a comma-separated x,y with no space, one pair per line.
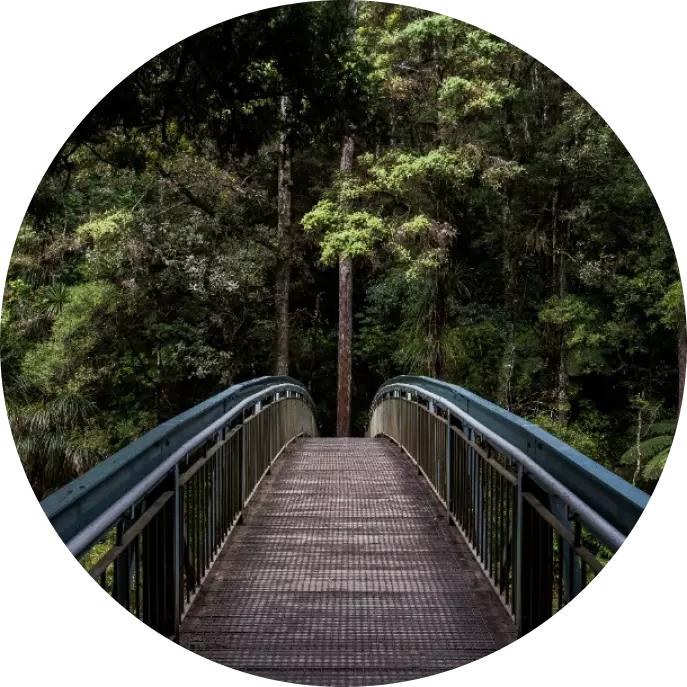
345,572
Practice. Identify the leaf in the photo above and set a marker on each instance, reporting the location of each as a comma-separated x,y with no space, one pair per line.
654,468
649,448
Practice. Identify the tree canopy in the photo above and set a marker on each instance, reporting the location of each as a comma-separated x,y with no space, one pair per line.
501,238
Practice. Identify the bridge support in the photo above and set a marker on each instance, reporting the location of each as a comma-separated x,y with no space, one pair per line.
571,572
122,566
536,561
243,458
160,585
449,468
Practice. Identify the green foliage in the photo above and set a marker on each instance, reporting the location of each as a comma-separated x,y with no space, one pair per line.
588,433
653,450
105,227
502,238
671,308
345,234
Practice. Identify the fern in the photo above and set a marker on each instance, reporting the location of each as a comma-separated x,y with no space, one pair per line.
663,428
649,448
654,468
654,448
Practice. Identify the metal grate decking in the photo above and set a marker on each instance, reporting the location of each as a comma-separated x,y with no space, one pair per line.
345,572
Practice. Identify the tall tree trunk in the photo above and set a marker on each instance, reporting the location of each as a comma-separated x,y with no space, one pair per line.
345,352
511,302
283,277
437,326
638,442
563,382
345,355
682,361
507,365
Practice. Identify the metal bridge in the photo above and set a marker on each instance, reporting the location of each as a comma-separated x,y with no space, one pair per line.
453,528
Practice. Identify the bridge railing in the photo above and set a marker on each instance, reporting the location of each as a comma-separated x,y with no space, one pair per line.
539,541
153,546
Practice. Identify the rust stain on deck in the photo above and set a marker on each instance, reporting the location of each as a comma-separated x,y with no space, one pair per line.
345,572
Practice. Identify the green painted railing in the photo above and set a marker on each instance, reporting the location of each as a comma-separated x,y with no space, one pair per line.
83,500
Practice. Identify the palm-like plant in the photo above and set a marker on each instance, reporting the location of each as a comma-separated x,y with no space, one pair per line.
652,451
42,434
53,299
426,345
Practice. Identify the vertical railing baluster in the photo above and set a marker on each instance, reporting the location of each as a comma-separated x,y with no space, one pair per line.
197,532
176,543
577,540
417,428
517,582
507,550
559,541
448,466
242,463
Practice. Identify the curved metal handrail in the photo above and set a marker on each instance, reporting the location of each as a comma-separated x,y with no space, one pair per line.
80,543
617,501
609,534
97,527
70,508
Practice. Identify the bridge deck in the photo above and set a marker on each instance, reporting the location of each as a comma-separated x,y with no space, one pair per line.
345,572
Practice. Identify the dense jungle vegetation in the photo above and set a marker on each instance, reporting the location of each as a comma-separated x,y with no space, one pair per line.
457,207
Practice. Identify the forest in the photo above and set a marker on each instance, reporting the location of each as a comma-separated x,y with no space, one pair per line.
342,191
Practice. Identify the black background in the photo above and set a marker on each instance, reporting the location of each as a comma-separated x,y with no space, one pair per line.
61,629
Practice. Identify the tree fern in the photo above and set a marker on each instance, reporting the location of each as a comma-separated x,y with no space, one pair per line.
653,449
649,448
663,428
654,468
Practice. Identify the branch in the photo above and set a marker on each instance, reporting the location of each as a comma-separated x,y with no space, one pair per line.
264,244
145,193
99,156
168,209
200,204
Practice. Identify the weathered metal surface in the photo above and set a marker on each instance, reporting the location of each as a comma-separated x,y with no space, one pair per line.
345,572
608,494
81,501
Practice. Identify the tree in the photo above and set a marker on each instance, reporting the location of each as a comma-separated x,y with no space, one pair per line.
502,239
345,356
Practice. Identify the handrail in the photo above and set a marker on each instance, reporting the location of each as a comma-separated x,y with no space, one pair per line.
70,508
615,500
611,536
96,528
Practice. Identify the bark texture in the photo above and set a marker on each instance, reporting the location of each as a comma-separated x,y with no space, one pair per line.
682,361
345,344
345,354
283,276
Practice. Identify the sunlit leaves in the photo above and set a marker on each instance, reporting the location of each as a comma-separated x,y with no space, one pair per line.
671,307
344,234
461,97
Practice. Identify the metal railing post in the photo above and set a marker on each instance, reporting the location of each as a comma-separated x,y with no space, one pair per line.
417,429
243,455
399,428
448,465
121,569
518,554
176,545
